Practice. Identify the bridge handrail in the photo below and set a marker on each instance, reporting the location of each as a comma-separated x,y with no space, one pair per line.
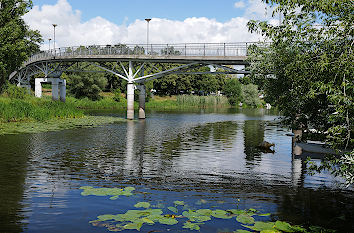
153,50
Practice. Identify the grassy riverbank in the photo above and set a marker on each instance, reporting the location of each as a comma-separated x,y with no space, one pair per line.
34,109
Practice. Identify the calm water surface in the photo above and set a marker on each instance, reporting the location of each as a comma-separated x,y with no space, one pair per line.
207,160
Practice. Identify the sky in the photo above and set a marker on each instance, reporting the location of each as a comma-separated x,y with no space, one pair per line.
83,22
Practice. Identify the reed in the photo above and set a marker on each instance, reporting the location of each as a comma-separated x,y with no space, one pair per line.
34,109
202,101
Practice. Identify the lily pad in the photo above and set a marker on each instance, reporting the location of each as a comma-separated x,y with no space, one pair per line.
206,212
237,211
168,221
192,226
106,217
173,209
178,203
193,216
242,231
261,226
245,219
220,214
283,226
142,205
133,226
115,192
264,215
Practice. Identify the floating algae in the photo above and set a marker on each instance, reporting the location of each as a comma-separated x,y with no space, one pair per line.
56,124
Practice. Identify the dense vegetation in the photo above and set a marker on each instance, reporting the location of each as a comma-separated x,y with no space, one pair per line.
17,41
307,71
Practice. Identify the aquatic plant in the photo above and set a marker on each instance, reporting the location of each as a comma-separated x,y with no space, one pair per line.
192,219
56,124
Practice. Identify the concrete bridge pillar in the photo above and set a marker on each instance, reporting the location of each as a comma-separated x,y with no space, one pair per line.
55,89
142,95
62,87
130,101
38,87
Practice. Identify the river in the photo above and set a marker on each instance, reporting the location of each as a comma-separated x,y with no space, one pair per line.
208,160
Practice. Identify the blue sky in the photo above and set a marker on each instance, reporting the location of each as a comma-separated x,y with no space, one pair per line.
83,22
119,11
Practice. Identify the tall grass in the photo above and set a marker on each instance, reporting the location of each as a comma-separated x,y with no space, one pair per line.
105,103
202,101
36,109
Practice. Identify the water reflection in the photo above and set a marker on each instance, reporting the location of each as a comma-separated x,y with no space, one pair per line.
209,156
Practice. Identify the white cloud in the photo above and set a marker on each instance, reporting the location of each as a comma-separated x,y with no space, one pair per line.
71,31
240,4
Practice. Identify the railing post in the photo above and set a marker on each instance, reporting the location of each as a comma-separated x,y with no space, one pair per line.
204,50
224,49
185,49
246,50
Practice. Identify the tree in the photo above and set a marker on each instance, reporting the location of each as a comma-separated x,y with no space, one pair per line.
233,91
86,85
17,41
250,95
309,67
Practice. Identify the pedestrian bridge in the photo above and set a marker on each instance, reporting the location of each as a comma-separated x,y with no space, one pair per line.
135,63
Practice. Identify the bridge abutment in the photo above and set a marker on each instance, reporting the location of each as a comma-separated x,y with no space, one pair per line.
58,88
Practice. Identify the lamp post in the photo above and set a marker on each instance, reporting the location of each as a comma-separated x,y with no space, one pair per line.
49,44
147,35
54,25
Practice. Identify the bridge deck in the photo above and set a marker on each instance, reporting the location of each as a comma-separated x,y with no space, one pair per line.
217,53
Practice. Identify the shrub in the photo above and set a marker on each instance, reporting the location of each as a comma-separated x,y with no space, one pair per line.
117,95
250,95
233,91
87,85
16,92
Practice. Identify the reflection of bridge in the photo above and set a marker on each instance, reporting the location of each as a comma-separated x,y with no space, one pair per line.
129,62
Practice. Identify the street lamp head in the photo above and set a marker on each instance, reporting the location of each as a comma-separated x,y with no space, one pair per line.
54,25
148,20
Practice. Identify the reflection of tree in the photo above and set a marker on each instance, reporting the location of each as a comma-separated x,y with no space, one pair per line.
317,207
253,136
13,167
220,134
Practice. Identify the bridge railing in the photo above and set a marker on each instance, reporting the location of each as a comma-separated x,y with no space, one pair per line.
153,50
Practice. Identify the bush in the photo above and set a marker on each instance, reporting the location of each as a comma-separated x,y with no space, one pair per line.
117,95
87,85
16,92
233,91
250,95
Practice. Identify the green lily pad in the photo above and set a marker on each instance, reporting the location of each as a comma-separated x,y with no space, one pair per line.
237,211
133,226
168,221
106,217
147,220
261,226
220,214
142,205
192,226
193,216
264,215
270,231
178,203
115,192
242,231
283,226
206,212
201,201
173,209
245,219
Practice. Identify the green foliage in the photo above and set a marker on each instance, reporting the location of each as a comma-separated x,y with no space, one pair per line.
117,95
311,68
142,205
17,40
250,95
87,85
15,92
233,91
31,108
